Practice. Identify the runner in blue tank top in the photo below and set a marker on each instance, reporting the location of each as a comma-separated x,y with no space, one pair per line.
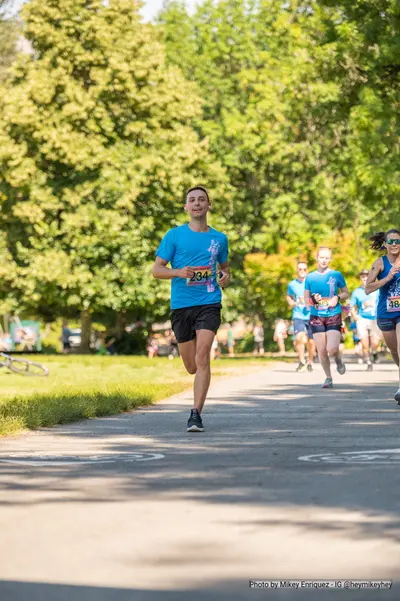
385,277
198,255
324,289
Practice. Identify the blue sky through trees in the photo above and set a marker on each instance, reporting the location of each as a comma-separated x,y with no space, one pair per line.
149,10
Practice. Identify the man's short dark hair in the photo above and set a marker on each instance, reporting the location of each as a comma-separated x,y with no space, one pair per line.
202,188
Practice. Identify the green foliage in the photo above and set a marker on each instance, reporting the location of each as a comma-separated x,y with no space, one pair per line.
289,111
95,142
9,32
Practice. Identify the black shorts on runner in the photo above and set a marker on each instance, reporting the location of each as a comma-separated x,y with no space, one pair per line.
185,322
324,324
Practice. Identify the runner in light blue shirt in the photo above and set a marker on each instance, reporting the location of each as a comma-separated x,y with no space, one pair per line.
198,255
325,288
301,318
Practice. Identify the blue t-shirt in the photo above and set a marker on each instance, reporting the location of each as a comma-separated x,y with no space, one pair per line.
296,291
366,303
389,294
201,250
326,284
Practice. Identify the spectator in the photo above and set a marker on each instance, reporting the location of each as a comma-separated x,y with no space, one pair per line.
172,343
258,332
152,347
215,350
231,343
105,345
280,333
66,333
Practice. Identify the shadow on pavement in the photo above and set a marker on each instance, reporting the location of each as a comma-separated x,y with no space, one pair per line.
248,455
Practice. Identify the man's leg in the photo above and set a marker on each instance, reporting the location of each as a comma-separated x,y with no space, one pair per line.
375,340
320,342
301,340
187,351
202,379
365,348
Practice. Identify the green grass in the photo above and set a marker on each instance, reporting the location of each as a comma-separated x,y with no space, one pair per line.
80,387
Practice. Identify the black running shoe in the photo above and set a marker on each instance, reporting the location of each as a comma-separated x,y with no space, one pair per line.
301,367
310,367
397,396
375,357
369,367
194,422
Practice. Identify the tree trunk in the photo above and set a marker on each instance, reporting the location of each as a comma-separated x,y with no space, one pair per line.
120,323
86,326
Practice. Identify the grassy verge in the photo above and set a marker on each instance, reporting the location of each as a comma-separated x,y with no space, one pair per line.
86,387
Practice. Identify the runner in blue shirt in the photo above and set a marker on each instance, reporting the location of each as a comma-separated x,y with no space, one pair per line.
301,318
198,255
324,289
385,277
363,311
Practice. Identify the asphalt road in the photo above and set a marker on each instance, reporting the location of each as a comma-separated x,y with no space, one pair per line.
134,508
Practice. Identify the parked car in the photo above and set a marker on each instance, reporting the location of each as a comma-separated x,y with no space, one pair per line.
75,337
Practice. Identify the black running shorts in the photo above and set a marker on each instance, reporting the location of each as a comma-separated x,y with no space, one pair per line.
185,322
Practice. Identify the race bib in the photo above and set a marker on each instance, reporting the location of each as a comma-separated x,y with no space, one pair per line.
202,276
393,304
323,304
300,301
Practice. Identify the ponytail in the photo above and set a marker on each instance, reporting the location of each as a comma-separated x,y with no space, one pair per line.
378,239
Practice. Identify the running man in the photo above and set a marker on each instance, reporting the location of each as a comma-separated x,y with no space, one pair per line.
385,277
197,253
324,290
363,312
301,318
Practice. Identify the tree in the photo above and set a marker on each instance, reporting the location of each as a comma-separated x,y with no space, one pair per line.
96,141
9,31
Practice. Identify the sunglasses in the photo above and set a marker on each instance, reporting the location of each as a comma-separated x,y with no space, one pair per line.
391,241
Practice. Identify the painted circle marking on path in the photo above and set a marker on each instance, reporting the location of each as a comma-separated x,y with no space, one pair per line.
380,457
52,459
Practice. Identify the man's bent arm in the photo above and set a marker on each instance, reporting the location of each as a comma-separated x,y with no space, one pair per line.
162,272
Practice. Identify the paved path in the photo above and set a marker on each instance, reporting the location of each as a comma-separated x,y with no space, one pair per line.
216,509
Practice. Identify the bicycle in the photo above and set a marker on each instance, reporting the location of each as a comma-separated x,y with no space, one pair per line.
23,366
